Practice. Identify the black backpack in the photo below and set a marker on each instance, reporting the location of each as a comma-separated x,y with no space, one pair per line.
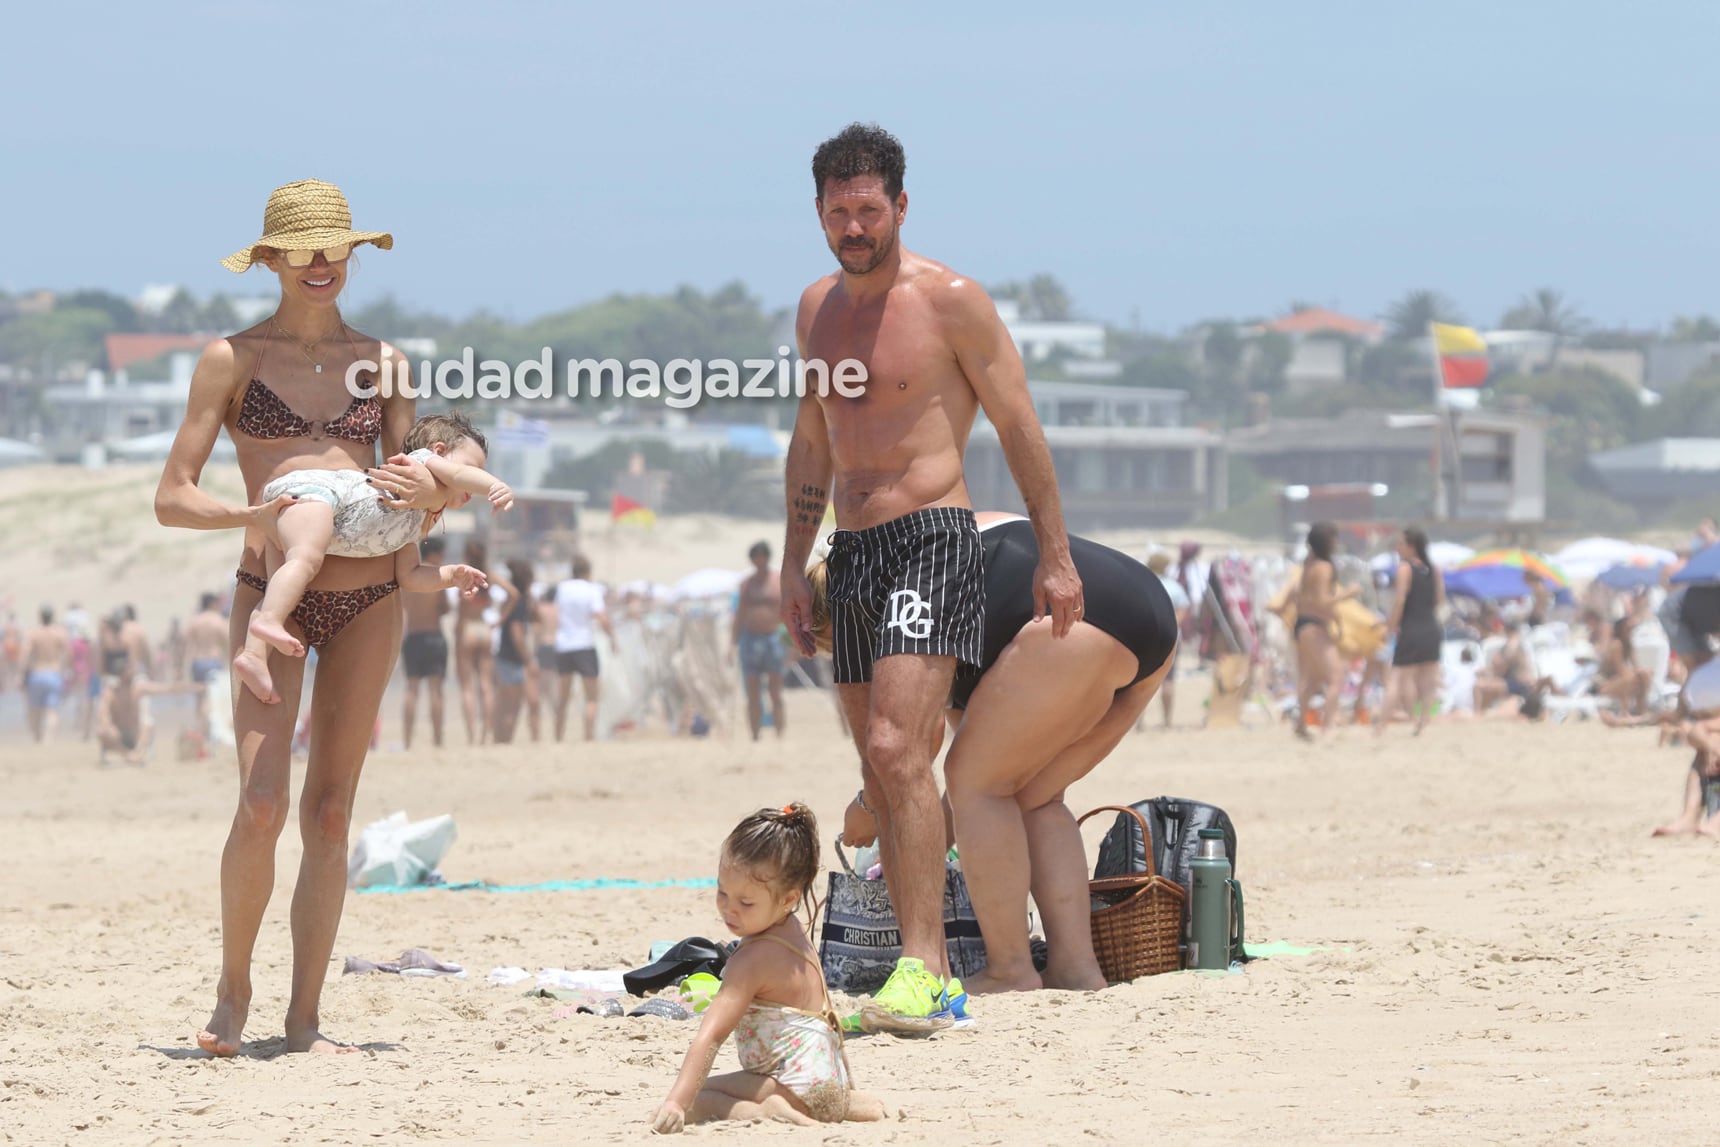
1175,825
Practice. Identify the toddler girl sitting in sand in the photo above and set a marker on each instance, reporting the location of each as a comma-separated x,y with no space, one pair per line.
338,512
773,997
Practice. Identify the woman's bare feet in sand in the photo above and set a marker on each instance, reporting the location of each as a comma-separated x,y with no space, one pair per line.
315,1043
986,984
863,1108
224,1034
253,670
1687,827
1092,980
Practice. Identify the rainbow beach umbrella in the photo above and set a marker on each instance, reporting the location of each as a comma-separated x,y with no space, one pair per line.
1495,575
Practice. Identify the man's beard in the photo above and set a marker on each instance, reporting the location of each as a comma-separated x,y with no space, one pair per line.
859,260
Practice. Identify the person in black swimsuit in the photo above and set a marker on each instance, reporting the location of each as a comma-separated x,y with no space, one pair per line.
1040,716
514,661
1415,624
1319,669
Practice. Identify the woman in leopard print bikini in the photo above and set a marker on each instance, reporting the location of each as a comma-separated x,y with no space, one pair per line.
301,418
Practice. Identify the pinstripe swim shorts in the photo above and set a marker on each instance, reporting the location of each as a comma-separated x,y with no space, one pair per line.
912,585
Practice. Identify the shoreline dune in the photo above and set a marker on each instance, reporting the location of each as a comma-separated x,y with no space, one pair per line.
1504,953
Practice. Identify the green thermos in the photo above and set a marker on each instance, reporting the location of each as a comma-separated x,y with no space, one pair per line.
1215,936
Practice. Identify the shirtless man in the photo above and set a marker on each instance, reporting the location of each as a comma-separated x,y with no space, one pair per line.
424,649
136,641
123,722
47,660
906,576
758,649
1507,673
206,648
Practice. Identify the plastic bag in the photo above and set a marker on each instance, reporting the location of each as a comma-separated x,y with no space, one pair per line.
395,851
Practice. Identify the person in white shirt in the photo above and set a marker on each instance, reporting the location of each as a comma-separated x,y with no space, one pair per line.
580,613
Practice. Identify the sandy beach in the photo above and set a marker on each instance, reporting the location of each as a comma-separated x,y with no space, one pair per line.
1499,952
1504,953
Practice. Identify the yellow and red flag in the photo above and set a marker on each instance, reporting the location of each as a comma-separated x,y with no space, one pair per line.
626,510
1462,356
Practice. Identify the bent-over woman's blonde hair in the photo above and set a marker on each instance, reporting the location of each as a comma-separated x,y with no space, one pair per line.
815,574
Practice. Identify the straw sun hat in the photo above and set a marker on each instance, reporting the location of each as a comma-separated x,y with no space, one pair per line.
306,216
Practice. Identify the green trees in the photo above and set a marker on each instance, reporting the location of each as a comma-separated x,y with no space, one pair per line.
43,344
1041,298
1695,329
1545,310
1407,318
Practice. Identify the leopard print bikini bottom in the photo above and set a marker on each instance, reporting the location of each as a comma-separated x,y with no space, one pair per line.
323,613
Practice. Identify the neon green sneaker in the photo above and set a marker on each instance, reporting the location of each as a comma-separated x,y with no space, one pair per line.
955,1002
911,1002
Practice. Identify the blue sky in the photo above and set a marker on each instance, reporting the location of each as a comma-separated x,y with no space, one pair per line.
1167,162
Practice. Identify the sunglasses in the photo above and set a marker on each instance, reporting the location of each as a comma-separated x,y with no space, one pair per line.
305,258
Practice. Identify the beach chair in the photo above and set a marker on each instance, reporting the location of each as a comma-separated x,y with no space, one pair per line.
1572,678
1652,651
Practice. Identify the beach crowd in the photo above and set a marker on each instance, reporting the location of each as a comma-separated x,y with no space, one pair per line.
1020,651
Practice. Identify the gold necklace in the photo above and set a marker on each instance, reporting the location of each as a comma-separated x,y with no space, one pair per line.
304,347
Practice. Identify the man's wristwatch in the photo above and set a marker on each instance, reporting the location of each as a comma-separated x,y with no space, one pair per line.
860,799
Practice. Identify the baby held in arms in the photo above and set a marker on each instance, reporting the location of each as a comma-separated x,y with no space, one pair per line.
337,512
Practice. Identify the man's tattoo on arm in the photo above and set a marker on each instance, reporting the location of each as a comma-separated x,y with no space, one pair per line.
809,506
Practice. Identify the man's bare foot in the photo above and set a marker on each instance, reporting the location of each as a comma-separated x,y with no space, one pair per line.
276,635
315,1043
224,1034
1677,828
985,984
1091,980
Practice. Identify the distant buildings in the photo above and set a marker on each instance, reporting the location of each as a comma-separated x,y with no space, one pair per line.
1038,340
107,417
1122,454
1320,346
1650,476
1495,472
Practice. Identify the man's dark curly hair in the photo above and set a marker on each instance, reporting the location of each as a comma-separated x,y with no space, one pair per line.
860,149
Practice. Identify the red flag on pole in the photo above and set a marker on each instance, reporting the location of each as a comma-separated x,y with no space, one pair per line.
624,509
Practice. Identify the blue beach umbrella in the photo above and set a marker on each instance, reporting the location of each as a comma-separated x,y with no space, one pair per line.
1629,575
1496,575
1701,569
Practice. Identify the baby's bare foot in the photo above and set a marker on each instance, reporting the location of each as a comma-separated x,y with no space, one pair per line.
253,670
276,635
864,1108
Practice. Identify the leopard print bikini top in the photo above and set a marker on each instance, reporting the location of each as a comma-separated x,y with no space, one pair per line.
264,414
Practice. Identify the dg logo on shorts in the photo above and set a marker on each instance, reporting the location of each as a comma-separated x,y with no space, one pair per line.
915,584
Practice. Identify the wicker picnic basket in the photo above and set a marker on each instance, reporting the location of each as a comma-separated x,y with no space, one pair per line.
1138,918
